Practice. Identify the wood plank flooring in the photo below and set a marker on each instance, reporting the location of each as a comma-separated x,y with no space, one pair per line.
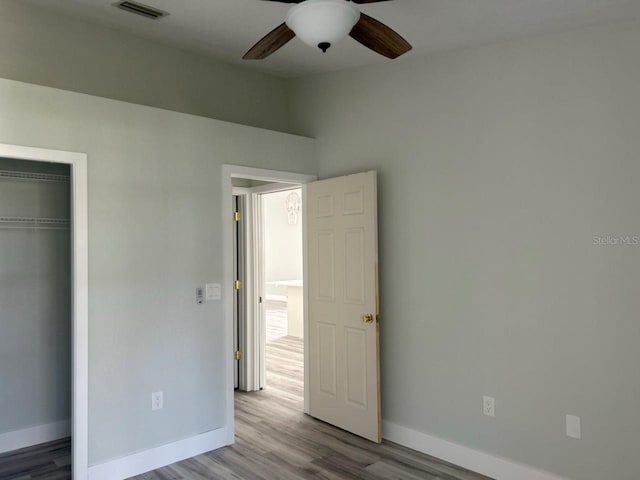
275,312
276,441
49,461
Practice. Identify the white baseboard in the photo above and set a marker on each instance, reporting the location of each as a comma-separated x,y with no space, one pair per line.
475,460
160,456
120,469
34,435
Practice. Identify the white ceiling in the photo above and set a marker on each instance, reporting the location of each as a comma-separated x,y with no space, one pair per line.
226,29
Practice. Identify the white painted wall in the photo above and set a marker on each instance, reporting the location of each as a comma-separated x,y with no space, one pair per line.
154,236
57,51
497,167
282,241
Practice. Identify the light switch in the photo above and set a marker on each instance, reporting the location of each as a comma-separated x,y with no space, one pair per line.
214,291
574,429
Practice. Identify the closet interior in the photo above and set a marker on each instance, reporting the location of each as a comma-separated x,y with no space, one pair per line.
35,306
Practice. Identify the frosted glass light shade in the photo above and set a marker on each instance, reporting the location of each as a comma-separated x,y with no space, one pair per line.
321,22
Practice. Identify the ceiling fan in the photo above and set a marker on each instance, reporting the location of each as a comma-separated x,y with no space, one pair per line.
321,23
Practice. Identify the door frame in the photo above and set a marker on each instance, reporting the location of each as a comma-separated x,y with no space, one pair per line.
80,293
240,303
247,342
251,173
252,344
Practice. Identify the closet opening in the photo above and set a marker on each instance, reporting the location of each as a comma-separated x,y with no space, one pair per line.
36,318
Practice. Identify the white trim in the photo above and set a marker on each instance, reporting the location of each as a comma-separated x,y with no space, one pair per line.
305,303
158,457
474,460
229,172
255,274
264,175
80,306
274,187
34,435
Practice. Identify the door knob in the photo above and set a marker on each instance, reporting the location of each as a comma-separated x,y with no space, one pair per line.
367,318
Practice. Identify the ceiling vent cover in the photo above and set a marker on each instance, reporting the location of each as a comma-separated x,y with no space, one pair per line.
140,9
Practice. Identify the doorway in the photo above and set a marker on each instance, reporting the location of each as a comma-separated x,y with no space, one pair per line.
342,361
268,307
249,183
44,228
35,301
280,258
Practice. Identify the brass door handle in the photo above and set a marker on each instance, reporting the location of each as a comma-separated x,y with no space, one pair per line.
368,318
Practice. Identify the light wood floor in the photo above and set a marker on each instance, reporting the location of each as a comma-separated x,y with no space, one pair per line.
276,319
276,441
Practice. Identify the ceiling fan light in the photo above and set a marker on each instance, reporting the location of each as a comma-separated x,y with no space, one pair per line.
322,22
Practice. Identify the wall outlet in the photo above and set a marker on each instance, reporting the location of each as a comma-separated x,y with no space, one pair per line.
574,428
157,401
489,406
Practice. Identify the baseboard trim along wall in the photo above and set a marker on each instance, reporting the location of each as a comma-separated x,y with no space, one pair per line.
160,456
475,460
34,435
122,468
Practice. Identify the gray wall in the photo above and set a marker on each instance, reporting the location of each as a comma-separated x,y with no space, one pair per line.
35,307
498,166
154,236
49,49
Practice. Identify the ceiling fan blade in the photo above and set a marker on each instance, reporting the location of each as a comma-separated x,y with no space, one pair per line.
271,42
300,1
378,37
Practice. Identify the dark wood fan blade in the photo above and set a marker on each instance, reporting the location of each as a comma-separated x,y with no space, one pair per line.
271,42
378,37
300,1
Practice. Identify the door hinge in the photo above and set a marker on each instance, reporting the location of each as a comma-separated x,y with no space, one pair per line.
237,216
237,354
237,285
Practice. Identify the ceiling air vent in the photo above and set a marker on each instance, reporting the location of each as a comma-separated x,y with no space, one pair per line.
140,9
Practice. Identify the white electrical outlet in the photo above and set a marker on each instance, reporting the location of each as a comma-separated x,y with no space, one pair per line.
489,406
574,428
157,401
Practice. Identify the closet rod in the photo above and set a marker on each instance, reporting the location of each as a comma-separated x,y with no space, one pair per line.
33,176
35,223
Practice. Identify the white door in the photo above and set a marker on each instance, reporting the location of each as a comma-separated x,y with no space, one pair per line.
342,258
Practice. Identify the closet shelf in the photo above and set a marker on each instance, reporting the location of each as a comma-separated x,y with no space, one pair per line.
35,223
33,176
